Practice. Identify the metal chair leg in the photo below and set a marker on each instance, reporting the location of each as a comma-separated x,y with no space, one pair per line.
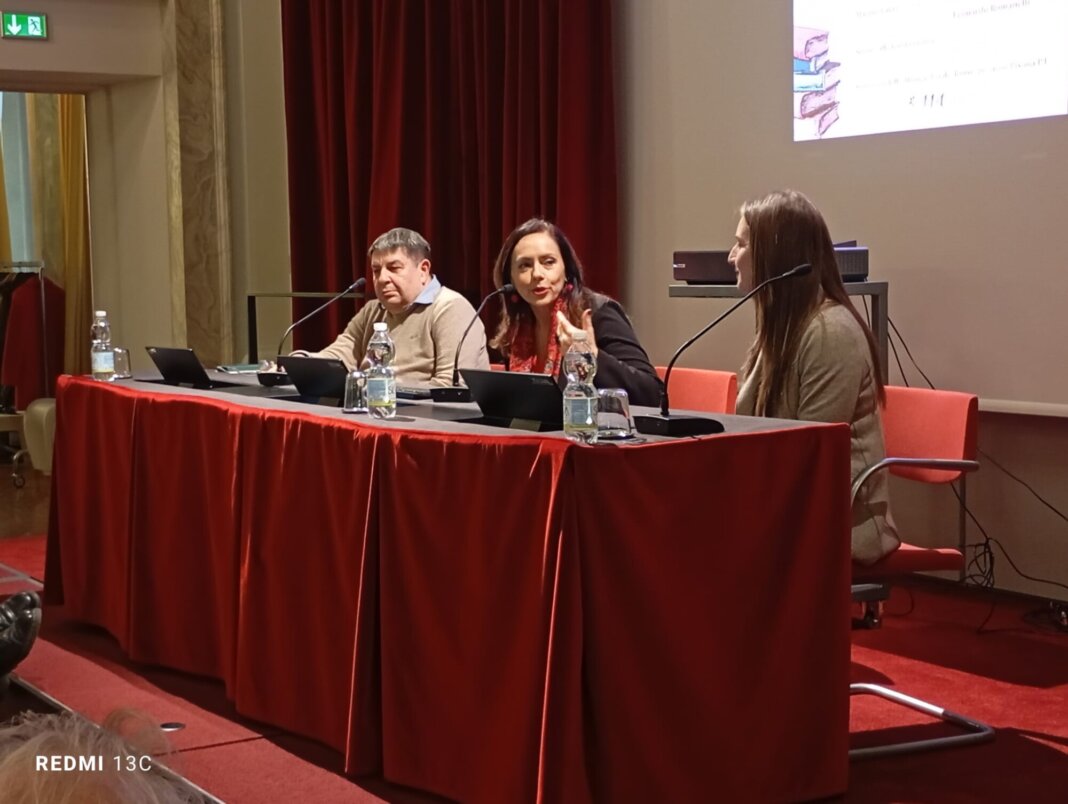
976,732
870,596
17,478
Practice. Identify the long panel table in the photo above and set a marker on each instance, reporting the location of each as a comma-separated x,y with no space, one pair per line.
487,615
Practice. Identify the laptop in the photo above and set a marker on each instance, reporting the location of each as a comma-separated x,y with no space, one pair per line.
516,399
180,366
318,379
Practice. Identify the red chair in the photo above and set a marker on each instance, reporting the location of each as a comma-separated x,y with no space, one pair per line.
703,390
931,438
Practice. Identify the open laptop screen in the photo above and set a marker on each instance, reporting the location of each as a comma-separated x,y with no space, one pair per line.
516,395
180,366
321,378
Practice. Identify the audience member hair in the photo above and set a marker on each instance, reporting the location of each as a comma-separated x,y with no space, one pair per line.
125,737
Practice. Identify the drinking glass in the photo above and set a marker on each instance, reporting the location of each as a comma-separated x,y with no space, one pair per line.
122,364
613,414
355,392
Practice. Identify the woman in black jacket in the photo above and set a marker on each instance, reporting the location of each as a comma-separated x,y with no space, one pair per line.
551,303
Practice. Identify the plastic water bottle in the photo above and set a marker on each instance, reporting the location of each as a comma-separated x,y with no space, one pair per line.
101,353
580,397
381,382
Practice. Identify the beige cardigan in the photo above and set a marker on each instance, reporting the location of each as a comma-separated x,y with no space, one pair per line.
834,381
425,335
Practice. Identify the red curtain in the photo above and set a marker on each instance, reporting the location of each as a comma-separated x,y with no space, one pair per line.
457,118
22,365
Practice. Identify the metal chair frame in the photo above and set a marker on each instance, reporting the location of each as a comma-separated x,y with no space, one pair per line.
871,596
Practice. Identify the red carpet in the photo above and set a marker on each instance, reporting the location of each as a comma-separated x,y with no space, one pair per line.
231,757
1013,676
25,554
21,564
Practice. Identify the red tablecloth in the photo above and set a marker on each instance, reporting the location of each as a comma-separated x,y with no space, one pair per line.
715,618
470,537
493,618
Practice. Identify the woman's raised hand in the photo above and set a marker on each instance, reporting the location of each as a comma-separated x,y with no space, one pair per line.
565,331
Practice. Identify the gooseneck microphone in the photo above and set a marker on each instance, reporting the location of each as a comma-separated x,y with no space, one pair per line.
457,392
359,283
676,426
456,362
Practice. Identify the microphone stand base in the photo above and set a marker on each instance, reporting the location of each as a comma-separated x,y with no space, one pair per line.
677,426
455,393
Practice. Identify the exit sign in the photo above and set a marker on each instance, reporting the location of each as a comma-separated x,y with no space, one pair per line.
24,26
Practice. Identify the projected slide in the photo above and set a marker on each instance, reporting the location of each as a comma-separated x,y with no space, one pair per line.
874,66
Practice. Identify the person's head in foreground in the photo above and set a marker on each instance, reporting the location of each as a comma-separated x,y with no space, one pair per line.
111,764
400,268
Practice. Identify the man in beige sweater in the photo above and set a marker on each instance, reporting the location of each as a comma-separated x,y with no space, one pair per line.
424,318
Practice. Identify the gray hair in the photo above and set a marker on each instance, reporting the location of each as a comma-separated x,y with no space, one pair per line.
113,761
413,243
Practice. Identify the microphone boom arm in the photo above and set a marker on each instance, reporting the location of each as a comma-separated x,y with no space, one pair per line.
456,360
357,284
457,392
799,270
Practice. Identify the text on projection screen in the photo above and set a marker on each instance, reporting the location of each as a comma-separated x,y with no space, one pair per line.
876,66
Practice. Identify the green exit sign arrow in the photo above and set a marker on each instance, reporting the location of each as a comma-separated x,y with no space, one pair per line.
23,26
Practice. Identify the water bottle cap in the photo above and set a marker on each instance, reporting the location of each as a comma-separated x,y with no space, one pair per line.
380,326
579,337
101,314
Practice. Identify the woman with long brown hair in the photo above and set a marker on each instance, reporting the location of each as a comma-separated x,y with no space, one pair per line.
551,303
814,358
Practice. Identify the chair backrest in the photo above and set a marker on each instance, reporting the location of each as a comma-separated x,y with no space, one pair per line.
705,390
921,423
39,428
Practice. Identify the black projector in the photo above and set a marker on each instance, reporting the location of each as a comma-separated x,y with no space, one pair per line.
712,268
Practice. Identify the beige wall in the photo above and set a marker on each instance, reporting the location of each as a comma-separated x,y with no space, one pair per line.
128,210
258,185
112,50
965,224
150,153
90,43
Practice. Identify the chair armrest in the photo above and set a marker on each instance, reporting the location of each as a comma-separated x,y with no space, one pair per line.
919,463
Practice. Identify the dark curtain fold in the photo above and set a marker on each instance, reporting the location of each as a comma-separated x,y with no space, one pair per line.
457,118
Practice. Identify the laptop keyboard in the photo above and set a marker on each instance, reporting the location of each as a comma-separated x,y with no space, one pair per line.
412,393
